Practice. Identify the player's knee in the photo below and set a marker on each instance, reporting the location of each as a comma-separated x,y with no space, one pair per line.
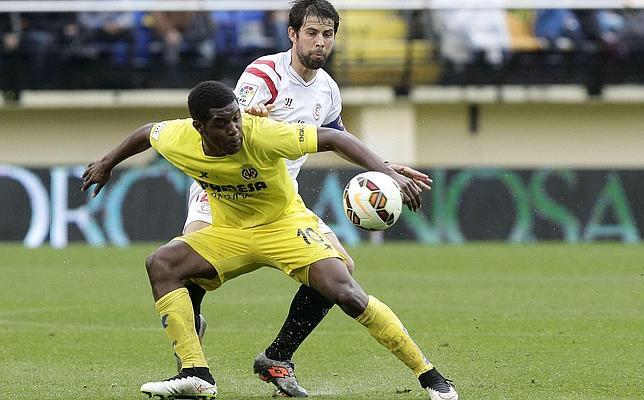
159,265
352,300
351,266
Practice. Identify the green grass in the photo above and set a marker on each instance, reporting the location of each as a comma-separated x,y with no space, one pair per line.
504,322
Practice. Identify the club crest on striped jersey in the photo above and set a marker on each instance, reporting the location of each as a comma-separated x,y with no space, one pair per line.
317,111
204,204
249,172
246,93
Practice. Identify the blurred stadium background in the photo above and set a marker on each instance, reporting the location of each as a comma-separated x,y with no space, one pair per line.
528,115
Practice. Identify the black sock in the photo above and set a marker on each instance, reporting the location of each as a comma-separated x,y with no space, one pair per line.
435,380
200,372
196,293
308,308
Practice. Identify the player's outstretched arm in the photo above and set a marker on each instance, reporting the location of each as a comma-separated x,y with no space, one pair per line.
98,172
352,149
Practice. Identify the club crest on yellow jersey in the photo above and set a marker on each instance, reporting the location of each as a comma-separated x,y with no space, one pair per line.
249,172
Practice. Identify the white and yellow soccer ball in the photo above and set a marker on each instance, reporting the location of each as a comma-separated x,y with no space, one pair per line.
372,201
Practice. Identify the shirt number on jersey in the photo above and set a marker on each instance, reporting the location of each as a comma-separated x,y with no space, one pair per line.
310,234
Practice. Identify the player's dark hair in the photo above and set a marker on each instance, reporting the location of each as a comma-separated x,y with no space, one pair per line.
321,9
207,95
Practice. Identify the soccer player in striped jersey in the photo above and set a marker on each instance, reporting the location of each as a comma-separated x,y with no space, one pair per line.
290,86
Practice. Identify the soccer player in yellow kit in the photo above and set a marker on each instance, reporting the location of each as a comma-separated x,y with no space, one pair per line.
261,221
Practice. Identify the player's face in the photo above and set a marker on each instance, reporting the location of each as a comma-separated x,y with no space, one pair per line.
222,132
313,42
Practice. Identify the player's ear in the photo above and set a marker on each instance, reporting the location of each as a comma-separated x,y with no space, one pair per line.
292,34
197,125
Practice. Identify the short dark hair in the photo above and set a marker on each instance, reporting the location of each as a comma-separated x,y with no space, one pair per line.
322,9
207,95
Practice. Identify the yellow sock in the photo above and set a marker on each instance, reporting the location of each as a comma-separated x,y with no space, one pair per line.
177,318
386,328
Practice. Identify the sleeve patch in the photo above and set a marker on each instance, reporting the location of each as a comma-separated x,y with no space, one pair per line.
246,93
337,124
156,131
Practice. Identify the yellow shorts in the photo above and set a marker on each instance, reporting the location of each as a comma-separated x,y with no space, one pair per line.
289,244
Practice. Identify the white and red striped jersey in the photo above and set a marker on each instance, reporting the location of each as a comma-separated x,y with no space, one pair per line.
271,80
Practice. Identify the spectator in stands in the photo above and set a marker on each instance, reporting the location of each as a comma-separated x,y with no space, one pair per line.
107,33
185,32
251,32
277,28
559,28
10,31
633,33
420,24
247,34
36,41
470,35
10,84
603,30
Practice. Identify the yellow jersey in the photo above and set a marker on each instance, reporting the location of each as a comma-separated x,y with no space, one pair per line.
249,188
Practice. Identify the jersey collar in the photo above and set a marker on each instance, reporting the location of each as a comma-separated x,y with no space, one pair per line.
297,76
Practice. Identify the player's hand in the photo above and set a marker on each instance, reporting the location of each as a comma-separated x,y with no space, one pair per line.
410,191
260,109
97,172
422,180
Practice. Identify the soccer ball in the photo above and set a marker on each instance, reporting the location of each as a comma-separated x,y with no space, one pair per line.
372,201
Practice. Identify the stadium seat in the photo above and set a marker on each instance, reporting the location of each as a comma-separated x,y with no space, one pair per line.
521,37
142,39
239,33
373,48
373,24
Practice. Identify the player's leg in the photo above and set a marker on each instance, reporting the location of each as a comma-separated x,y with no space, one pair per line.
198,217
335,242
195,291
196,294
195,222
331,279
308,308
306,311
168,267
274,365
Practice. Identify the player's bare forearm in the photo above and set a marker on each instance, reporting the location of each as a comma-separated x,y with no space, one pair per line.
98,172
137,142
352,149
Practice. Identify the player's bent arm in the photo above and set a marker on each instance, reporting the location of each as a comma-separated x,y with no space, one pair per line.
352,149
98,172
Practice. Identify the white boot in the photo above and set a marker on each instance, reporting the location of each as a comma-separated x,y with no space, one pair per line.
182,386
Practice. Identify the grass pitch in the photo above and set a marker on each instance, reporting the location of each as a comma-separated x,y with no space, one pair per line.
504,322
